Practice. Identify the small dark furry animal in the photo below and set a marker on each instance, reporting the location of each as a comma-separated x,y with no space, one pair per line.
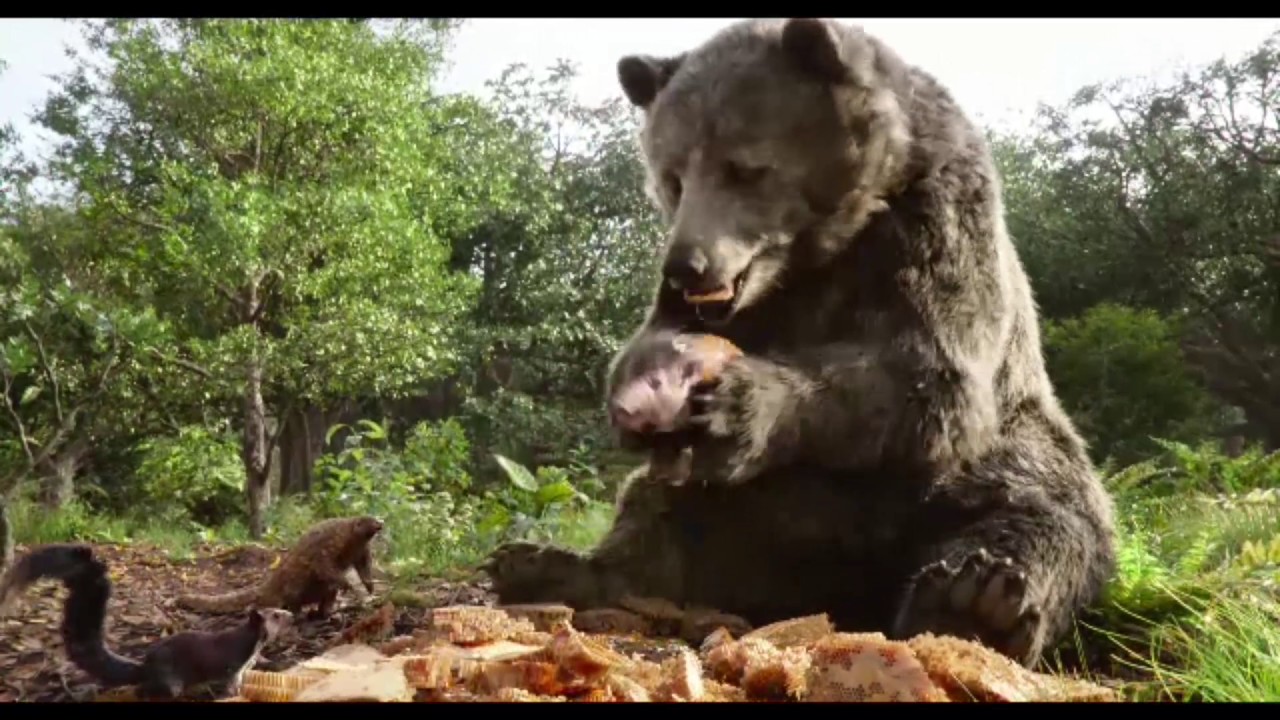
889,449
654,390
171,665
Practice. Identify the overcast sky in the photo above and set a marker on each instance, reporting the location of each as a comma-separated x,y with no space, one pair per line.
997,68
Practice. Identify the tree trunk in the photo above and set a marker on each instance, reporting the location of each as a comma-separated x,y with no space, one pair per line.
58,483
6,537
254,450
300,443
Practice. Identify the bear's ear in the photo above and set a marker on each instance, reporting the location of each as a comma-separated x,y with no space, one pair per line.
814,45
643,76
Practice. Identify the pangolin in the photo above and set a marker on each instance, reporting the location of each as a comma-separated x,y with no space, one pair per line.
311,573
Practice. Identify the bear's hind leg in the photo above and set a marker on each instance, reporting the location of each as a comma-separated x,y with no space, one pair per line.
1013,580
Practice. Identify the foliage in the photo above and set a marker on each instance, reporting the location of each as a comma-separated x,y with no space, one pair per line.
199,469
422,492
566,268
278,191
1163,197
62,346
1121,376
1195,584
368,476
538,503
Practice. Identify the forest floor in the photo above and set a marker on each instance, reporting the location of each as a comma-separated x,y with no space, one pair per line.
1192,613
34,668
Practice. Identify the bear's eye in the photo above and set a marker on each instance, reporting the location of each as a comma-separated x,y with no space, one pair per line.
739,174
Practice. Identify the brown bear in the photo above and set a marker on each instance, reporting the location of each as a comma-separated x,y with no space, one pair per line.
889,449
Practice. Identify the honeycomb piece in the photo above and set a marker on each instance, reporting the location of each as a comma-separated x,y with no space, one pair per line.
726,659
339,658
969,671
539,678
475,624
682,678
847,667
374,626
596,694
384,682
534,637
515,694
438,670
625,689
718,637
795,632
544,616
581,656
265,686
773,673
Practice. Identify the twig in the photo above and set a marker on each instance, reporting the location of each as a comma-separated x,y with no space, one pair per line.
182,363
47,368
23,438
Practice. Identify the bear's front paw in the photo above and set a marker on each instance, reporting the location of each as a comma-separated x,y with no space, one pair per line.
728,426
718,408
984,598
525,572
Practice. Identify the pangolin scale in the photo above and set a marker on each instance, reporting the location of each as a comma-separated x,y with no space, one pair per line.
311,573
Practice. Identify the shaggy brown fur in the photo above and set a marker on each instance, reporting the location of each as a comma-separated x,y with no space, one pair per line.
890,449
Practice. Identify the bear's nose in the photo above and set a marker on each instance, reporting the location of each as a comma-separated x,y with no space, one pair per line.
685,267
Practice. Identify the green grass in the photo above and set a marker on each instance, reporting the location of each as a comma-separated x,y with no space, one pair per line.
413,545
1190,615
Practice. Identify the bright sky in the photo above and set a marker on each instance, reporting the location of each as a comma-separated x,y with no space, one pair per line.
997,68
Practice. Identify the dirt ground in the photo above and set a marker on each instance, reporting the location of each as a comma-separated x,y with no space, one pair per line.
33,667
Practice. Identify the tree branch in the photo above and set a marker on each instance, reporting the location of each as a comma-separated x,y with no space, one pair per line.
182,363
47,368
23,438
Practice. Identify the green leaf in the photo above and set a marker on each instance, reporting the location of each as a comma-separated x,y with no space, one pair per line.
328,436
30,394
556,492
518,474
374,430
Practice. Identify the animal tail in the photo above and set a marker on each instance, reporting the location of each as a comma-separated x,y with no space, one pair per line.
85,612
54,561
230,602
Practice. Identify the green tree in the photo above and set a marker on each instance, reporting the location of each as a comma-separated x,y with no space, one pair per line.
62,347
1166,196
566,267
1121,376
278,191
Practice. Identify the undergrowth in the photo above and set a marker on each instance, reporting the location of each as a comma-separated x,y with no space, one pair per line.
436,521
1191,612
1190,615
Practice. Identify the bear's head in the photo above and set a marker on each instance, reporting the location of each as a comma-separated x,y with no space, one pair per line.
775,138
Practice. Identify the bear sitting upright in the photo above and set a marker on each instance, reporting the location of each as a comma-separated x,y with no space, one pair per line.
889,449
